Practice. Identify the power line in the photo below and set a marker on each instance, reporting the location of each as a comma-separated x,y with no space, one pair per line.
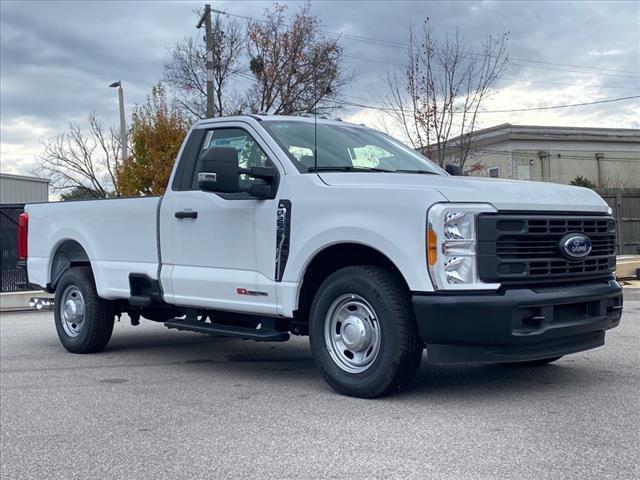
543,62
373,60
547,82
634,74
547,107
576,71
509,63
571,105
403,45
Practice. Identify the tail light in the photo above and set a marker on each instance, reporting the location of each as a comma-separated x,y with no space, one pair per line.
23,231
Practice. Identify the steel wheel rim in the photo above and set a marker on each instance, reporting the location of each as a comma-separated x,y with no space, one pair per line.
72,310
352,333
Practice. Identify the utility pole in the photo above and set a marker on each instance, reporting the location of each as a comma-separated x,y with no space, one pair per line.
123,125
208,38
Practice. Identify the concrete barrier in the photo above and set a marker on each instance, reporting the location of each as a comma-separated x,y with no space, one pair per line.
627,266
16,301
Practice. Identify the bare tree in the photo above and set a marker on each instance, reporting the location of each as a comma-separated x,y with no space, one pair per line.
287,66
295,68
443,88
186,73
403,98
82,162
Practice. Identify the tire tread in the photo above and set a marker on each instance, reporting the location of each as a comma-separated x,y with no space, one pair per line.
407,358
101,327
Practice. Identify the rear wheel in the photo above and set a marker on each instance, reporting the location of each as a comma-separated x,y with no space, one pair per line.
84,321
363,334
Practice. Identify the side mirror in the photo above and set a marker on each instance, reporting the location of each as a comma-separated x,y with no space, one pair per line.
218,170
452,169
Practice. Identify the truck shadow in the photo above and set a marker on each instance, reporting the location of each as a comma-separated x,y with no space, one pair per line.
496,380
277,363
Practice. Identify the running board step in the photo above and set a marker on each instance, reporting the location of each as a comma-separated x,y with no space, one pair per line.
259,335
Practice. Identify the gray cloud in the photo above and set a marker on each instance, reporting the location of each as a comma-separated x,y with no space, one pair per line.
57,58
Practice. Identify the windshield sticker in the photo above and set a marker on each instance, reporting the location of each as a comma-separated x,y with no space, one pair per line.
236,142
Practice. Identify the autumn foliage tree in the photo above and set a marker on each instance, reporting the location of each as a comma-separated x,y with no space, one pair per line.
157,131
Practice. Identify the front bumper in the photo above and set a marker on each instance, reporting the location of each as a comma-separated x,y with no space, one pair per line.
517,324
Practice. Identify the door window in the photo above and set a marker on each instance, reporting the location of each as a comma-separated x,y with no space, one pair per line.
250,154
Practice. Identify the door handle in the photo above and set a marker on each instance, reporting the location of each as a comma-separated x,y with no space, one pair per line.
186,214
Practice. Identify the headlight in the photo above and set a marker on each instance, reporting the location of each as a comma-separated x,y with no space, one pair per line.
452,246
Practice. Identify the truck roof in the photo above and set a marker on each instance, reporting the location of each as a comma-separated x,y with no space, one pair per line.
283,118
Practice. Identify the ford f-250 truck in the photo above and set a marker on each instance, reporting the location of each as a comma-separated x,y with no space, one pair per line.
272,226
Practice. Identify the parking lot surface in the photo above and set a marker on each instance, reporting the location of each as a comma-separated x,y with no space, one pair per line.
163,404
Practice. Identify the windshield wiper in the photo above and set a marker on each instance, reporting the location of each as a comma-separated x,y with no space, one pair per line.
423,172
345,168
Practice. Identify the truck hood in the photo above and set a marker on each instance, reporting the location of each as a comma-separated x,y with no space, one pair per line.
502,194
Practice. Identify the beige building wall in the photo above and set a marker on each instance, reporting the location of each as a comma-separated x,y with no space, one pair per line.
616,164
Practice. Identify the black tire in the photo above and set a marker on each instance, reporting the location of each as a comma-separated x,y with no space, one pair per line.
400,347
534,363
96,327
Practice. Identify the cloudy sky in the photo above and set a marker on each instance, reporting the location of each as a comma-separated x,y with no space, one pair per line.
57,58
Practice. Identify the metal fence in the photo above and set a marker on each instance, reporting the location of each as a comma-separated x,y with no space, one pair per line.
10,275
625,203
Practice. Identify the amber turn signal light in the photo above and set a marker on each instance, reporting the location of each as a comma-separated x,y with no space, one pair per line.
432,246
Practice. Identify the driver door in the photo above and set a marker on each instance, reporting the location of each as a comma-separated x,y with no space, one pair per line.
219,249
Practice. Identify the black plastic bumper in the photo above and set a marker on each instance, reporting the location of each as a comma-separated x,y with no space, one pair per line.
517,324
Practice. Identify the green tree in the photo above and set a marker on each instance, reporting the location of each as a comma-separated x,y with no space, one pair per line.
581,181
80,193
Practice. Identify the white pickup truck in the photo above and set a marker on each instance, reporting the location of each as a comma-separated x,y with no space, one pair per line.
274,225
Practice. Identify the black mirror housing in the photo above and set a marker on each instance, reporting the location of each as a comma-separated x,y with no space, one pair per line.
452,169
218,170
268,174
261,191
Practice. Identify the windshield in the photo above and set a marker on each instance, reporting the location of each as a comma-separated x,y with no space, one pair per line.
345,148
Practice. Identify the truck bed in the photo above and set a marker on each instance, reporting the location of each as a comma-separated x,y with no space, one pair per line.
118,235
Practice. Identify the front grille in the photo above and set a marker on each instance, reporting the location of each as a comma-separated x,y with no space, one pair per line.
526,248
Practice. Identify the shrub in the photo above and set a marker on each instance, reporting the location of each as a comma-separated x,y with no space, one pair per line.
581,181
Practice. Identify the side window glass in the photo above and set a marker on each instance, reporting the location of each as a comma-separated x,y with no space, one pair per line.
249,152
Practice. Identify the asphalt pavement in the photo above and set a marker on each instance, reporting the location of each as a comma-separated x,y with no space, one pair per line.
164,404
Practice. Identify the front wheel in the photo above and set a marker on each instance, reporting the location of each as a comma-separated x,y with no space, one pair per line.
363,333
84,321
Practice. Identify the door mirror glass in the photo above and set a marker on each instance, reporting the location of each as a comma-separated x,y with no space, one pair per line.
218,170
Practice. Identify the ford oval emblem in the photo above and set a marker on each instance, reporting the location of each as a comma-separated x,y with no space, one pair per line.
575,246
